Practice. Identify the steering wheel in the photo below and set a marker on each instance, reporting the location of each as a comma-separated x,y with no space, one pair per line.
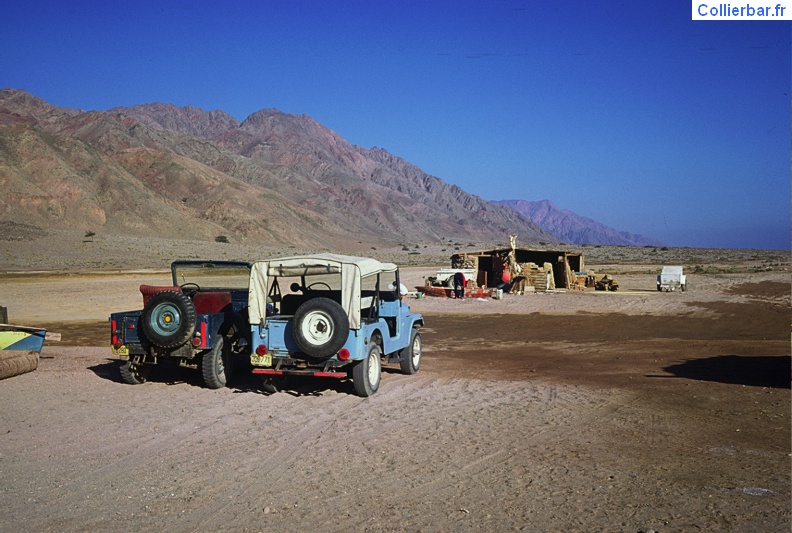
312,285
189,288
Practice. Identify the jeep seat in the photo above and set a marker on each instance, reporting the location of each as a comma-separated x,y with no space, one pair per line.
211,303
150,290
291,302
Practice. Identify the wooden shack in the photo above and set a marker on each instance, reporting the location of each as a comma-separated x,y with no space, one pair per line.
545,269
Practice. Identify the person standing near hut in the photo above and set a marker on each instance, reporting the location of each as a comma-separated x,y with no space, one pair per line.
459,285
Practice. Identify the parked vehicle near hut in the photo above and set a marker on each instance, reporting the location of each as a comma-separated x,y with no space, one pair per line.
442,284
199,322
445,276
342,317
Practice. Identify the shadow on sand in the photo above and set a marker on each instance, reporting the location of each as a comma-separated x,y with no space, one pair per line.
167,373
754,371
243,380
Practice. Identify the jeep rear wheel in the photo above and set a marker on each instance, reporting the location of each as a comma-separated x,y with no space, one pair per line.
135,374
321,327
217,365
367,374
168,319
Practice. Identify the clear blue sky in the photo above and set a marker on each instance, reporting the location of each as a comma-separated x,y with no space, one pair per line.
626,112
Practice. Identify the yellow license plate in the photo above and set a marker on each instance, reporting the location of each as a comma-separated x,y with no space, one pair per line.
121,351
261,360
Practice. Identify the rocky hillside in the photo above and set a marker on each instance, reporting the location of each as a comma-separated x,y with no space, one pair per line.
163,171
573,228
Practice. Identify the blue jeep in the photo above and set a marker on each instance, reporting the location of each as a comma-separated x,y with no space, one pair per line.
333,316
200,322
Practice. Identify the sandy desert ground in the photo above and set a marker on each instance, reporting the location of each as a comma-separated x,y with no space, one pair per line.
629,411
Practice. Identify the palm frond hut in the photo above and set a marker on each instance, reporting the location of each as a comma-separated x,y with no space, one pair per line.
543,269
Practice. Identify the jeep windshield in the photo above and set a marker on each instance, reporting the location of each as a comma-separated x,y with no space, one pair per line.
212,274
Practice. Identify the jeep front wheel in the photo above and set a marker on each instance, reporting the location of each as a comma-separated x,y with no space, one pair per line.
367,374
273,384
169,319
411,355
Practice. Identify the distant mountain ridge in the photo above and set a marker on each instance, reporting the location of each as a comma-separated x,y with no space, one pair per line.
182,172
573,228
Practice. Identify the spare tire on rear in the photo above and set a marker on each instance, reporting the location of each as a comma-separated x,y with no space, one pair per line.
168,319
321,327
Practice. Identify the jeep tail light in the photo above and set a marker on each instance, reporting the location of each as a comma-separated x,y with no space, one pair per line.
114,334
261,349
196,341
343,354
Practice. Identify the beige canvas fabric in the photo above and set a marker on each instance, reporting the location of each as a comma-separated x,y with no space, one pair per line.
352,269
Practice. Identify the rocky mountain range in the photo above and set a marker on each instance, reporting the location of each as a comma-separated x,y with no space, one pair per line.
573,228
181,172
158,170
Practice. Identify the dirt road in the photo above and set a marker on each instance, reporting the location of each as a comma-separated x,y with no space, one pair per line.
623,418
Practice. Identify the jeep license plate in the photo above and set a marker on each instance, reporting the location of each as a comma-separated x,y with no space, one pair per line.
121,351
261,360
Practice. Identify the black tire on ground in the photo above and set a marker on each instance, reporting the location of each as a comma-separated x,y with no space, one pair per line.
273,384
236,333
367,374
168,319
684,287
217,365
135,374
411,355
321,327
14,363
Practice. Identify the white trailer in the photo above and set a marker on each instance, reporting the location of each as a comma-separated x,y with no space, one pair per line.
671,278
